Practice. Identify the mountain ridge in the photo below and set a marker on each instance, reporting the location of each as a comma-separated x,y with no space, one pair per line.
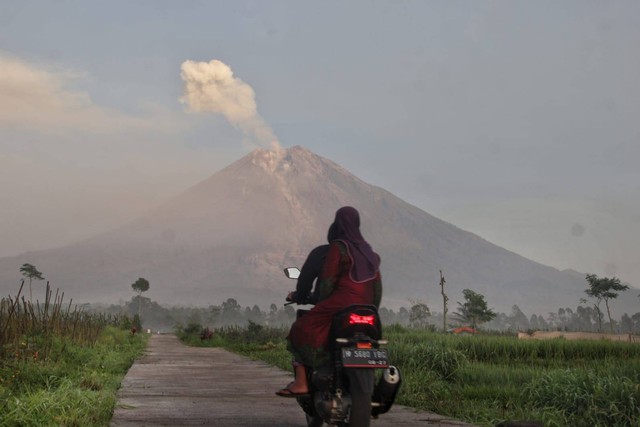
231,234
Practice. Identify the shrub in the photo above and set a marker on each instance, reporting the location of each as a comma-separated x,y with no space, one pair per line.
444,361
192,328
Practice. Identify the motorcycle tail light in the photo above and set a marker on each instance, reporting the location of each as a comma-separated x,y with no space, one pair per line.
363,345
355,319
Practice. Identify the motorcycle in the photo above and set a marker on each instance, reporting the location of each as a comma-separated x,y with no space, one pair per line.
346,392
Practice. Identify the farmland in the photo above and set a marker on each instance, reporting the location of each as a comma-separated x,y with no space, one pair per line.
487,379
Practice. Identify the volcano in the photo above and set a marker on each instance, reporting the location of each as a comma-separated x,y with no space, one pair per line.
231,235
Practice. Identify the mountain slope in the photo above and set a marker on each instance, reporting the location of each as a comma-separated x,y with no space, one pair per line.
231,235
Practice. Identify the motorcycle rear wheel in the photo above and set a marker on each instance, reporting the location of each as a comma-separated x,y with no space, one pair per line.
360,410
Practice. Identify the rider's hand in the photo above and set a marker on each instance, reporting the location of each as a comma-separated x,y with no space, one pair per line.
291,297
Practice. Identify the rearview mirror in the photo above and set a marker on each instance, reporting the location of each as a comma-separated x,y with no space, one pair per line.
292,272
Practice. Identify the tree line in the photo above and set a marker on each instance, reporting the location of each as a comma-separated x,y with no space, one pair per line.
583,318
473,311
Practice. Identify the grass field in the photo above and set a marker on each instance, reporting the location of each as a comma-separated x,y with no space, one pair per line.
486,380
60,366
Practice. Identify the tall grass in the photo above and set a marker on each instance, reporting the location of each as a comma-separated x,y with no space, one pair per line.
61,366
28,330
505,378
586,398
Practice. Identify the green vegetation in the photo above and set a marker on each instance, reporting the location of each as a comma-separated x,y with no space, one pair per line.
495,378
604,289
487,379
474,310
139,286
31,272
232,313
255,341
61,366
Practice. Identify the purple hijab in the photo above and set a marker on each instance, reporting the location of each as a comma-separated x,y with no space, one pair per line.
346,228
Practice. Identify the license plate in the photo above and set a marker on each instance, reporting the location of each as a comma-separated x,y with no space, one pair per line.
365,358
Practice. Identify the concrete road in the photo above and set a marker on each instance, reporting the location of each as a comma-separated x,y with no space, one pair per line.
177,385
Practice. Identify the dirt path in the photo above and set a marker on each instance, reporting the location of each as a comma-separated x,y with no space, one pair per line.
176,385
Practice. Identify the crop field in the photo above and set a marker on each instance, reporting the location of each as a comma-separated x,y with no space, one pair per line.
487,379
60,365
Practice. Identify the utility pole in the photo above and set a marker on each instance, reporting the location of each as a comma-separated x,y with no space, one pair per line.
445,299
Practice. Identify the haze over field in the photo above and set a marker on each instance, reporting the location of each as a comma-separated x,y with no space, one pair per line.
514,121
230,236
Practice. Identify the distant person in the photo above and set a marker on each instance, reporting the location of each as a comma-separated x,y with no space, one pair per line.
350,275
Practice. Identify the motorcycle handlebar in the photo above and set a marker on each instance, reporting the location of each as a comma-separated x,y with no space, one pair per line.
312,300
289,299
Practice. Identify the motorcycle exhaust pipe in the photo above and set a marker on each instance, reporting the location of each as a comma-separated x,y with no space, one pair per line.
385,391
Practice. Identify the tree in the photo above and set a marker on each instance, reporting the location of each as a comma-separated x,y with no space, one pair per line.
626,323
403,316
517,320
255,315
141,285
231,314
474,310
31,272
636,322
418,314
213,314
604,289
533,322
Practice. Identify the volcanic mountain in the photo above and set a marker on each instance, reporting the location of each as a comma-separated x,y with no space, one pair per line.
231,235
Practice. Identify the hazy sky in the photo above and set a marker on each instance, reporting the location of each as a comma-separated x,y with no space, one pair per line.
518,121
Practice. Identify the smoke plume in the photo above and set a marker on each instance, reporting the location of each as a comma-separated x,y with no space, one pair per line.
212,87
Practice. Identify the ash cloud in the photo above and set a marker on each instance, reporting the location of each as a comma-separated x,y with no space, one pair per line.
211,87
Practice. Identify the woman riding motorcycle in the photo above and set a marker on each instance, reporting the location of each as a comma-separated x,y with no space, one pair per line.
350,275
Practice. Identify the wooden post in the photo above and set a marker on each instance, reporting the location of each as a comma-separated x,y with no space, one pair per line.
445,299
